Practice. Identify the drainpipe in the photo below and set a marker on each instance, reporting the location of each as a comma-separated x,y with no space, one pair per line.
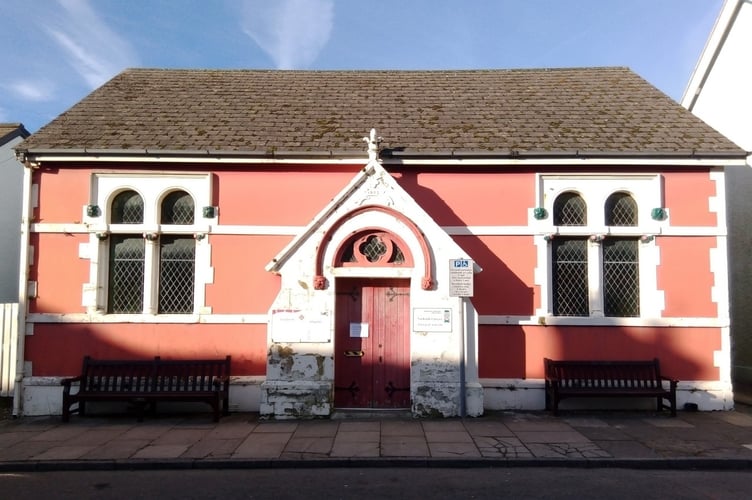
23,283
463,338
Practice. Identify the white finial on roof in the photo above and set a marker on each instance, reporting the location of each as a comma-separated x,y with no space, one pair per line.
373,145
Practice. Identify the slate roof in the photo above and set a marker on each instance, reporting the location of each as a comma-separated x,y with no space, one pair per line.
9,131
496,113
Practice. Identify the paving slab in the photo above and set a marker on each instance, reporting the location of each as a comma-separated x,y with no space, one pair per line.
355,449
65,452
117,449
501,447
564,436
401,428
404,446
317,445
181,436
487,428
262,445
212,448
448,437
161,451
454,450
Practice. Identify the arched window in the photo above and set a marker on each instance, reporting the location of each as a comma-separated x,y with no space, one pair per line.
621,210
621,260
127,208
125,292
570,259
373,248
131,279
570,210
177,208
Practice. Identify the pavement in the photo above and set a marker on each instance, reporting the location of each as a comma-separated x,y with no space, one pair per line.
692,440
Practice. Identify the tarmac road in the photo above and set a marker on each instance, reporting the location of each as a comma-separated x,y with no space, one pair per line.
381,483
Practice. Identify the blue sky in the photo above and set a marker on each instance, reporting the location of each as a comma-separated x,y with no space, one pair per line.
57,51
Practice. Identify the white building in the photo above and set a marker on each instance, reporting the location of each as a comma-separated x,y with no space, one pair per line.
720,93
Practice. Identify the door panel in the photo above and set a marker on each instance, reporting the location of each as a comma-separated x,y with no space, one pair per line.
372,370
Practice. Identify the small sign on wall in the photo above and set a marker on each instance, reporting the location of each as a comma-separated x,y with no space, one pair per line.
295,325
428,319
359,330
461,278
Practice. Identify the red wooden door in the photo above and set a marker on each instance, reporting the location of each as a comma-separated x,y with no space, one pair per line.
372,344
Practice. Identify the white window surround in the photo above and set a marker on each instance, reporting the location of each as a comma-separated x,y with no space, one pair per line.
152,188
647,192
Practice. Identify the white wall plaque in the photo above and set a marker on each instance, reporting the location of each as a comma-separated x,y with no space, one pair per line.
432,320
295,325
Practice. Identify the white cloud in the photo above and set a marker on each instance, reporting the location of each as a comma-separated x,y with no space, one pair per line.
36,91
94,50
291,32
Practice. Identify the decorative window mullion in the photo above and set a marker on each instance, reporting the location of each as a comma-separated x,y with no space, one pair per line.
595,278
151,275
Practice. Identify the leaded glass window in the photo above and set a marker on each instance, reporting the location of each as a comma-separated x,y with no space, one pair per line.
621,210
177,208
176,274
570,259
621,286
374,248
126,279
570,277
127,208
570,210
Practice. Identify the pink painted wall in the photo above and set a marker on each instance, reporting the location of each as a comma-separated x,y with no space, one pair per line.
292,196
59,273
685,276
518,351
282,195
243,286
246,344
474,198
686,194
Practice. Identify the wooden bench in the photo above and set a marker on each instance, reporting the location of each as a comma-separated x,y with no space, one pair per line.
623,379
145,382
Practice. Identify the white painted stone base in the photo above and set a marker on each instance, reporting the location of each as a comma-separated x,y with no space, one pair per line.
442,399
517,394
43,396
284,400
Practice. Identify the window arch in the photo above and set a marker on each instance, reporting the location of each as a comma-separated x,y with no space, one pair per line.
621,210
373,248
570,210
127,208
177,208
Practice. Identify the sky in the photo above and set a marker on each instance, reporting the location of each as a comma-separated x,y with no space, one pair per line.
55,52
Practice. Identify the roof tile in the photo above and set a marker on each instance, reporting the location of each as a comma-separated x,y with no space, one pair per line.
476,111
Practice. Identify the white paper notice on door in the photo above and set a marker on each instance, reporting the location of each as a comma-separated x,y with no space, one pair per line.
359,330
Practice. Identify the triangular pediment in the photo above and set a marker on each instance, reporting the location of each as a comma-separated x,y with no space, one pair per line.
373,188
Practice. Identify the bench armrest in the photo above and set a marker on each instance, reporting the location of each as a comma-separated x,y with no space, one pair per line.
221,382
672,381
67,382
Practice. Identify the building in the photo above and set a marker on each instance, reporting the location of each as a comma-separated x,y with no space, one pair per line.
488,219
11,134
718,92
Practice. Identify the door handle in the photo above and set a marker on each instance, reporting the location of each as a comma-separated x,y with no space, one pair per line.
354,354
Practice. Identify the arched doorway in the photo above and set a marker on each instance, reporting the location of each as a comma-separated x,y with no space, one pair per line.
372,325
